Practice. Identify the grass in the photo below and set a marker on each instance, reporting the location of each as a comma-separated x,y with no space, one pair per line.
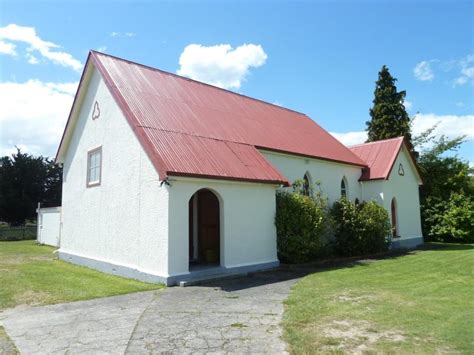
421,302
31,274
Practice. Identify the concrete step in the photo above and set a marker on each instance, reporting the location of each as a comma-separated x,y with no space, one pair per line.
200,279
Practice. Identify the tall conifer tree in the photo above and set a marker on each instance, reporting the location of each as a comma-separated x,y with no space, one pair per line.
389,118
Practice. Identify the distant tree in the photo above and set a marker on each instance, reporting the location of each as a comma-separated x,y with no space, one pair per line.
26,180
389,118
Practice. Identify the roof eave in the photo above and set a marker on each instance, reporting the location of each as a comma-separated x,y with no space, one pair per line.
60,152
229,178
361,164
156,160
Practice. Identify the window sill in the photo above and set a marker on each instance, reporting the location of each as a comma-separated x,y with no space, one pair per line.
93,184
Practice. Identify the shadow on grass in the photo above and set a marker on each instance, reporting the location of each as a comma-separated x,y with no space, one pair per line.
445,246
294,272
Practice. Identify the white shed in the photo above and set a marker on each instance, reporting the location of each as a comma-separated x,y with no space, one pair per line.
49,226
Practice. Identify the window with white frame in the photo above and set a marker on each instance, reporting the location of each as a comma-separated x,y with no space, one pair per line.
94,166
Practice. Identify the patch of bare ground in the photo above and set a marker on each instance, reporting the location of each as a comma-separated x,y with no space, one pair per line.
355,337
32,298
19,259
348,297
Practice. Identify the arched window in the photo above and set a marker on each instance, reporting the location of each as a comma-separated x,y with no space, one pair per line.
306,185
343,187
394,218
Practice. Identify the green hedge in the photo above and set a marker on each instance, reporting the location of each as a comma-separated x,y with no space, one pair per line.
360,229
301,224
17,233
307,229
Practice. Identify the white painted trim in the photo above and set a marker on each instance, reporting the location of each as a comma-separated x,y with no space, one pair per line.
81,94
173,178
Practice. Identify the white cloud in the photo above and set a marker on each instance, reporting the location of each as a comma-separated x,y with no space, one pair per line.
33,115
220,65
467,71
351,138
448,125
16,33
102,49
31,58
123,34
408,105
423,71
7,48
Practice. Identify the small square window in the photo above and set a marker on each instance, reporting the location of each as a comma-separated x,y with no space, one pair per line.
94,166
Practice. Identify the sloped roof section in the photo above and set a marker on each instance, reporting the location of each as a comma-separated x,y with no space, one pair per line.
379,157
185,155
195,129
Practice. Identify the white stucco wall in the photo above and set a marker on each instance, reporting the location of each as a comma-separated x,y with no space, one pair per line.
247,229
124,220
329,174
49,220
405,189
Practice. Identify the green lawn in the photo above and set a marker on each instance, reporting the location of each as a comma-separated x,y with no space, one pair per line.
422,302
32,274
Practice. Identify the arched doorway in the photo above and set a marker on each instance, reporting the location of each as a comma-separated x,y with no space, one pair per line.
394,218
204,228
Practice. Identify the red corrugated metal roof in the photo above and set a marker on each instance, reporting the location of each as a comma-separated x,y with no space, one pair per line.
186,155
191,128
379,156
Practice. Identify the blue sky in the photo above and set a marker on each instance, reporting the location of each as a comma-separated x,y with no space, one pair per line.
321,58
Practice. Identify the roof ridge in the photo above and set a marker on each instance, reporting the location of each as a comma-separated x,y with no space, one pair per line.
252,145
376,142
195,81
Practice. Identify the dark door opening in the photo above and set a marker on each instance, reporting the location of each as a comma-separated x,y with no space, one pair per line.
204,228
394,218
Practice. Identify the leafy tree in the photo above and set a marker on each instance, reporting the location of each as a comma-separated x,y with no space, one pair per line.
450,220
26,180
389,118
447,194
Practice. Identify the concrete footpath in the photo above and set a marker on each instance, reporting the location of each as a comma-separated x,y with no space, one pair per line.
240,315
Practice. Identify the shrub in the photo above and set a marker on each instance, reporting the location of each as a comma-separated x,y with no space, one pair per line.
17,233
450,221
360,229
301,223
